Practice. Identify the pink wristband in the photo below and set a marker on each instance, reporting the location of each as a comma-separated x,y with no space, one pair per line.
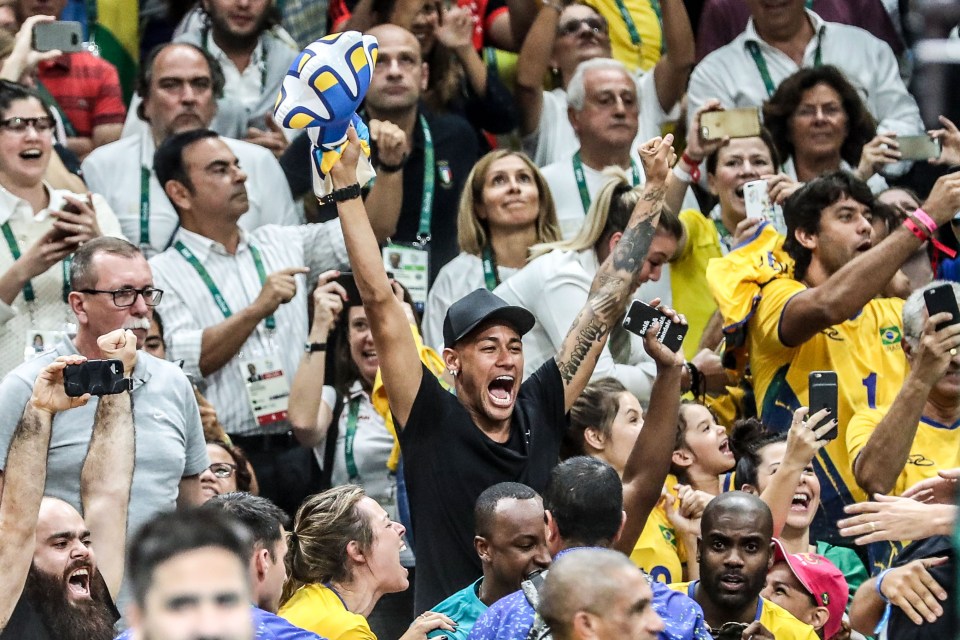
926,221
915,230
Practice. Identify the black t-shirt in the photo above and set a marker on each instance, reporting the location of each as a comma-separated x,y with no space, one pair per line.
448,462
25,623
900,627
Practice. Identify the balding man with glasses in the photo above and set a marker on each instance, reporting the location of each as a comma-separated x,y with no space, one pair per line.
112,288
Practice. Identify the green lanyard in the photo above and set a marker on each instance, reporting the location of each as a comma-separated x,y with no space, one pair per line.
218,298
144,206
761,63
51,102
490,277
352,472
28,293
632,26
429,180
582,181
204,44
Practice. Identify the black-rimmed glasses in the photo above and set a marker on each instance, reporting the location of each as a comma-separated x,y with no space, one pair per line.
43,124
128,297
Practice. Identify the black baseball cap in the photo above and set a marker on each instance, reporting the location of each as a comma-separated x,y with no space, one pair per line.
467,313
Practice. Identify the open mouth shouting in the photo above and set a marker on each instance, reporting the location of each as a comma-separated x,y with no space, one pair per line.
725,448
78,582
500,391
801,502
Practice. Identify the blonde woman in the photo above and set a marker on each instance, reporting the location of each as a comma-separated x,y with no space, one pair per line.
505,209
556,284
344,554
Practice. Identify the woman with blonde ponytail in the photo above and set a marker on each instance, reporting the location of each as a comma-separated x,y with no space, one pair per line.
344,554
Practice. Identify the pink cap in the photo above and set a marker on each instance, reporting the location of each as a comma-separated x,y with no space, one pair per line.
822,580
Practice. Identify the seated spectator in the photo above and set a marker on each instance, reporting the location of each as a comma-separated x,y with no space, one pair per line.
811,588
510,542
820,124
557,282
42,227
190,574
589,588
701,451
82,87
229,471
505,208
179,84
562,38
62,571
735,553
345,555
778,467
494,429
779,40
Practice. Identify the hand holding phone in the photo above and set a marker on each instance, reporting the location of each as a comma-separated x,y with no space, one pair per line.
730,123
823,393
942,299
64,36
921,147
96,377
639,318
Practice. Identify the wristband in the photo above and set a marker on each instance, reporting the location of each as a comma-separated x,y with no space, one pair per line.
915,229
924,218
392,168
341,195
696,379
314,347
681,173
694,166
880,577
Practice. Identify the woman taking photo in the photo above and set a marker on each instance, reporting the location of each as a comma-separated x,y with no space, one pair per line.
505,209
344,555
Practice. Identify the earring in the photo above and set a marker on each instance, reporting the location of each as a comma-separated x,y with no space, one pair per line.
453,372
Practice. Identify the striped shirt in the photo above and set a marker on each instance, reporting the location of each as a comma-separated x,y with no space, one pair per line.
188,306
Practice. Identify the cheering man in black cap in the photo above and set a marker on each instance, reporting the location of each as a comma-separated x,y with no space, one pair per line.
492,430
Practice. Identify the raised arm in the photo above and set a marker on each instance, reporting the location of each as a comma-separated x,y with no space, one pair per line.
673,69
846,291
25,475
108,468
880,462
649,461
532,65
616,278
399,360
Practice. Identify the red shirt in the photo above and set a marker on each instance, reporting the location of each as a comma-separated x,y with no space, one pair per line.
87,89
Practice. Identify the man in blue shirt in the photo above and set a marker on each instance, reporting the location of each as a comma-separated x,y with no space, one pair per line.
583,504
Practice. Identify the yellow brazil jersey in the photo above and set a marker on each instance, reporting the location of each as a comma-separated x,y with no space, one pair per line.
773,617
935,446
688,279
660,550
864,351
317,608
640,50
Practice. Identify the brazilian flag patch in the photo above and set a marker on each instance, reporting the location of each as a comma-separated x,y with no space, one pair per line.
668,534
890,335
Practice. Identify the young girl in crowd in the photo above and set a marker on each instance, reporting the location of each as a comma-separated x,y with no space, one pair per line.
702,451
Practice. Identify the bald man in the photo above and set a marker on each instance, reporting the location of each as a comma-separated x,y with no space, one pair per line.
598,594
735,552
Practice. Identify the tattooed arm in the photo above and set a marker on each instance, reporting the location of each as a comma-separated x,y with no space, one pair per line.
616,278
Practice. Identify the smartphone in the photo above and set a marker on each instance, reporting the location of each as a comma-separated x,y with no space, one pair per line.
823,395
96,377
730,631
638,319
939,299
921,147
67,36
735,123
345,280
757,200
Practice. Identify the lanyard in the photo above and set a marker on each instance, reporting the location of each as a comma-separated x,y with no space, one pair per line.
218,298
761,63
632,26
582,181
144,206
28,293
429,180
204,44
352,472
490,278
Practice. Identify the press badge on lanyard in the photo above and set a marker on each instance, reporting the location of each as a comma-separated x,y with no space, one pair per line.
267,388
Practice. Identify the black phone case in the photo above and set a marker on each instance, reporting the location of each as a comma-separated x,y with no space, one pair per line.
638,320
345,280
96,377
939,299
823,395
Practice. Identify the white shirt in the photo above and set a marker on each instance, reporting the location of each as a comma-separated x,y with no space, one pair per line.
114,171
188,307
48,311
877,183
731,75
244,86
554,288
456,279
555,138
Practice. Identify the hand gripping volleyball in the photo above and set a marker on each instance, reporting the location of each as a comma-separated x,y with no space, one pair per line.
321,93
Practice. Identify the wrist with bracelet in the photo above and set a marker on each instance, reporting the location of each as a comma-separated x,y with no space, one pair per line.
920,224
342,195
392,168
879,584
698,384
687,169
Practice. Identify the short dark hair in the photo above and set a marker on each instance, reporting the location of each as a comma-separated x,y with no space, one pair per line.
173,533
714,158
802,210
777,111
145,75
263,518
748,439
738,501
11,92
585,497
486,505
168,159
82,273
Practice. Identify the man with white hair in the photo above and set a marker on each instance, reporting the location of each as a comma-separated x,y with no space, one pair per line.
918,436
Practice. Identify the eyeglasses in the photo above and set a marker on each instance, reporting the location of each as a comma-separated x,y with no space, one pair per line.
222,470
570,27
43,124
127,297
830,111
